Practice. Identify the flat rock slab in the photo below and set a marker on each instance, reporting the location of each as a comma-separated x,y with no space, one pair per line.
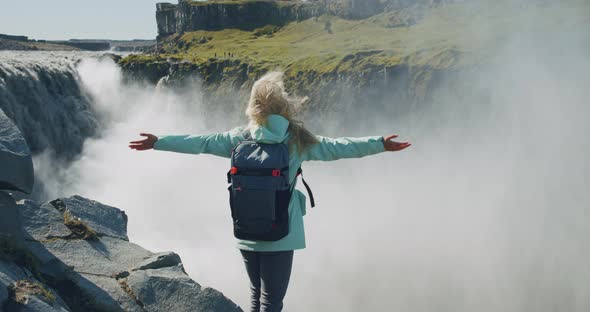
159,260
107,256
15,157
104,219
106,292
212,300
170,289
42,222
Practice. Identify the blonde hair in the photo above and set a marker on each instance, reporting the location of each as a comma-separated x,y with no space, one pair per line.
269,97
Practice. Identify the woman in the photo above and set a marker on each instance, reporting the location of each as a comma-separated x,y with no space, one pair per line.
271,113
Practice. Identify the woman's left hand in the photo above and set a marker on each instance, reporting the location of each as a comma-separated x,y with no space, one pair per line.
145,144
393,146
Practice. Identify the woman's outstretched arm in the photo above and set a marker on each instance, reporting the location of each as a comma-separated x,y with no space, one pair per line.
333,149
219,144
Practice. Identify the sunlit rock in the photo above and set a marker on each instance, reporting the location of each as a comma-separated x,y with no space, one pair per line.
170,288
106,272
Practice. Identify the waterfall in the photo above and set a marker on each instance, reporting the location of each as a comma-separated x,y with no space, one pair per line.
42,93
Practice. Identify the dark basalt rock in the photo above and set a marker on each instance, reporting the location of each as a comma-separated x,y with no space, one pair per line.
19,291
15,157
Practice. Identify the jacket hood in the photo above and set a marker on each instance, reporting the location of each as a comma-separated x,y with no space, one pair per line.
275,130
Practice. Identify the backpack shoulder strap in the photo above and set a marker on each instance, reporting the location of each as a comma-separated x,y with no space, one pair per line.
247,135
309,192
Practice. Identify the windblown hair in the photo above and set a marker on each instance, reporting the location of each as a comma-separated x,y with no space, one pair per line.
269,97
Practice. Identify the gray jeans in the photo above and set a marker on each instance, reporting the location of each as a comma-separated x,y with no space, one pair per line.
269,274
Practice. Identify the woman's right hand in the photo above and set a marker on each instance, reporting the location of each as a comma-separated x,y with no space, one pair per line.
145,144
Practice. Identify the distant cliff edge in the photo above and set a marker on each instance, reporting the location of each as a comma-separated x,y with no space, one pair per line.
245,15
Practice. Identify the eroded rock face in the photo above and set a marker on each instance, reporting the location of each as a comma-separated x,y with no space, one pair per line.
17,166
166,18
194,15
355,8
248,15
107,272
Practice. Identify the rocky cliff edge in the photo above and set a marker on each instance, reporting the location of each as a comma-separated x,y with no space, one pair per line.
73,254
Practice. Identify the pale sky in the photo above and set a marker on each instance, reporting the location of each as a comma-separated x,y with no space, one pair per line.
80,19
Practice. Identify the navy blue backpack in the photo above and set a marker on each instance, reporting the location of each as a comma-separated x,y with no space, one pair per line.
260,190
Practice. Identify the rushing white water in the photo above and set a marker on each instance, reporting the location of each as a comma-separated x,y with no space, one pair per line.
42,93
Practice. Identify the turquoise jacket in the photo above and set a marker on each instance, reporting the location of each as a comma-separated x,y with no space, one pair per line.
275,131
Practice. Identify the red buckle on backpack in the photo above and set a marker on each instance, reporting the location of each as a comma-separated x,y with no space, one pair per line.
276,173
233,170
